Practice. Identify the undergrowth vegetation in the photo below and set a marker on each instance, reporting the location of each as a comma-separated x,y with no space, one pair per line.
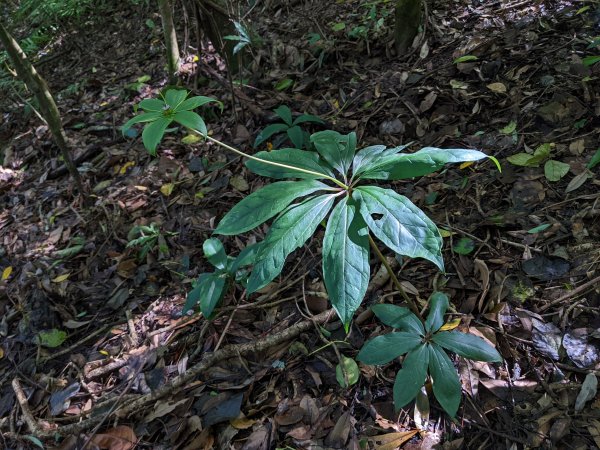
330,188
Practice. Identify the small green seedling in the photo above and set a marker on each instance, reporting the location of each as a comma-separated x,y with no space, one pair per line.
553,170
298,136
147,237
210,288
425,345
243,38
160,113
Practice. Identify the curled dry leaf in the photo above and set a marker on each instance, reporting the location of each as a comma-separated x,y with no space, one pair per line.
121,437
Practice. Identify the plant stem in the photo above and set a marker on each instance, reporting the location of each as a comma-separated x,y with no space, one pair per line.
272,163
397,284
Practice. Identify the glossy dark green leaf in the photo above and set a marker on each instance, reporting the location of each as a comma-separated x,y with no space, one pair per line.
446,386
265,203
153,133
215,253
349,368
399,224
289,231
145,117
335,148
208,291
269,131
467,346
292,157
423,162
285,113
367,156
398,317
152,104
411,377
464,246
438,304
383,349
245,258
296,135
191,120
346,259
174,97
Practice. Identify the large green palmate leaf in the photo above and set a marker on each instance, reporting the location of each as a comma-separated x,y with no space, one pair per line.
399,224
446,385
438,304
292,157
265,203
383,349
367,156
291,229
209,289
423,162
398,317
346,259
411,377
467,346
335,148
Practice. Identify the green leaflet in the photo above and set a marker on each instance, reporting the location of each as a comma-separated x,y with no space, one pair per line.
153,133
174,97
423,162
467,345
383,349
196,102
411,377
290,156
265,203
152,104
285,113
335,148
191,120
346,259
446,386
144,117
438,304
368,156
291,229
399,224
268,132
296,135
398,317
215,253
208,291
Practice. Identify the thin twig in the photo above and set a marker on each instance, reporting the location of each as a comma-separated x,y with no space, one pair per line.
397,284
571,294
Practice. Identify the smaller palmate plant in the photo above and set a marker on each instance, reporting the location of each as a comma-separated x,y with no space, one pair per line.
299,137
174,106
425,345
210,288
146,238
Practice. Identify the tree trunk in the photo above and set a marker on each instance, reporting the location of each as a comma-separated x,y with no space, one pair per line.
36,84
173,60
408,20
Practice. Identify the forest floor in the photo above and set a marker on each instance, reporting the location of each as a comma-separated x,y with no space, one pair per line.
93,346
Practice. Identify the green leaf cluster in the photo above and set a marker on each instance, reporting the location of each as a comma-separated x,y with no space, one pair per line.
291,128
351,209
425,347
209,288
158,114
553,170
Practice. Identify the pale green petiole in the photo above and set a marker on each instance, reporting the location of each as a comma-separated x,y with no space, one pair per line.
272,163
